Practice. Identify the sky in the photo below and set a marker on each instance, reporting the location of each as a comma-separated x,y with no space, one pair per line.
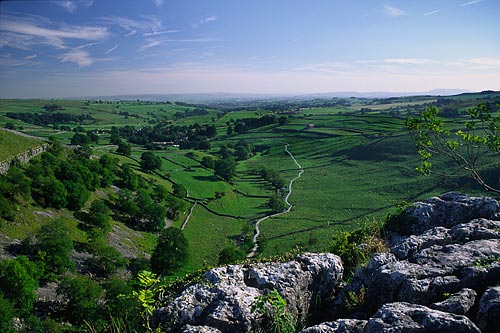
61,49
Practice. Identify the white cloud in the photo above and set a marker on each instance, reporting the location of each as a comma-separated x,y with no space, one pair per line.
82,58
432,13
31,56
149,44
111,49
411,61
72,5
31,33
204,21
491,62
393,11
149,23
470,3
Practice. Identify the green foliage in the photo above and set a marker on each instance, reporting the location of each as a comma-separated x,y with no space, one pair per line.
83,296
277,204
150,162
98,216
466,146
354,300
18,282
225,168
273,307
231,254
7,313
106,259
401,221
170,252
179,190
355,247
51,248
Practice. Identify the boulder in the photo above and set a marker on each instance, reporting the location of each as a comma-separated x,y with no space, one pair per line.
459,303
449,210
224,297
410,318
338,326
488,316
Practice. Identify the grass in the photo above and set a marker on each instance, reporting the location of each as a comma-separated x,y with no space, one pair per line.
358,167
13,144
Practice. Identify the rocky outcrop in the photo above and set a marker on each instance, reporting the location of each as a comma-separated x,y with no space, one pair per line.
222,301
23,157
445,277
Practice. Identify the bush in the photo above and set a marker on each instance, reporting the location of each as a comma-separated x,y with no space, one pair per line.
170,252
18,283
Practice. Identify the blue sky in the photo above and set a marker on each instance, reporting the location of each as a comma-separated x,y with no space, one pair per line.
109,47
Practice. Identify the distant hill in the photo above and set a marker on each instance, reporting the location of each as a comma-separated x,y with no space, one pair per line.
211,97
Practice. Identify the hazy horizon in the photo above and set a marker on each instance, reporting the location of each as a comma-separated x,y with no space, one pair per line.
61,49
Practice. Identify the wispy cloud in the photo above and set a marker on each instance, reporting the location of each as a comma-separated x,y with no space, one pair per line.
204,21
470,3
155,33
393,11
411,61
72,5
432,13
158,3
149,44
35,34
80,57
33,56
149,24
111,49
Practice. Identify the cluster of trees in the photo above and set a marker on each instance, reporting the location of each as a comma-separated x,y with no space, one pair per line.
242,125
46,118
194,136
191,113
80,139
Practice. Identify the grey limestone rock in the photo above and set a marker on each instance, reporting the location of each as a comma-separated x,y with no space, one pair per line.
199,329
410,318
224,297
458,303
451,209
338,326
488,316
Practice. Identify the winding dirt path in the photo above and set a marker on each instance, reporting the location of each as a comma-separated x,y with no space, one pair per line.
290,189
189,216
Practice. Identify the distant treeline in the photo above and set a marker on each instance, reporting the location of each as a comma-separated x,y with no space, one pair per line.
47,118
193,136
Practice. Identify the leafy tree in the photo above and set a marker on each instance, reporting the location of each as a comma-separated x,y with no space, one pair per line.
150,162
80,139
53,247
231,254
123,148
98,216
128,178
179,190
7,313
479,136
170,252
277,204
49,191
10,126
106,259
208,162
18,283
225,168
83,297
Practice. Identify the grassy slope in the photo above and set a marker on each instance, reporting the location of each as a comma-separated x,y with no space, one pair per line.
13,144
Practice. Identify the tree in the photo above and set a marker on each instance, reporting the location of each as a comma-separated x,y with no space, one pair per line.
53,247
170,252
98,216
225,168
18,283
231,254
277,204
123,148
83,297
179,190
7,313
208,162
479,136
150,162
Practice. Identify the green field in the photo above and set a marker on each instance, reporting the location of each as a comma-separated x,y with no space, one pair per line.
13,144
358,166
